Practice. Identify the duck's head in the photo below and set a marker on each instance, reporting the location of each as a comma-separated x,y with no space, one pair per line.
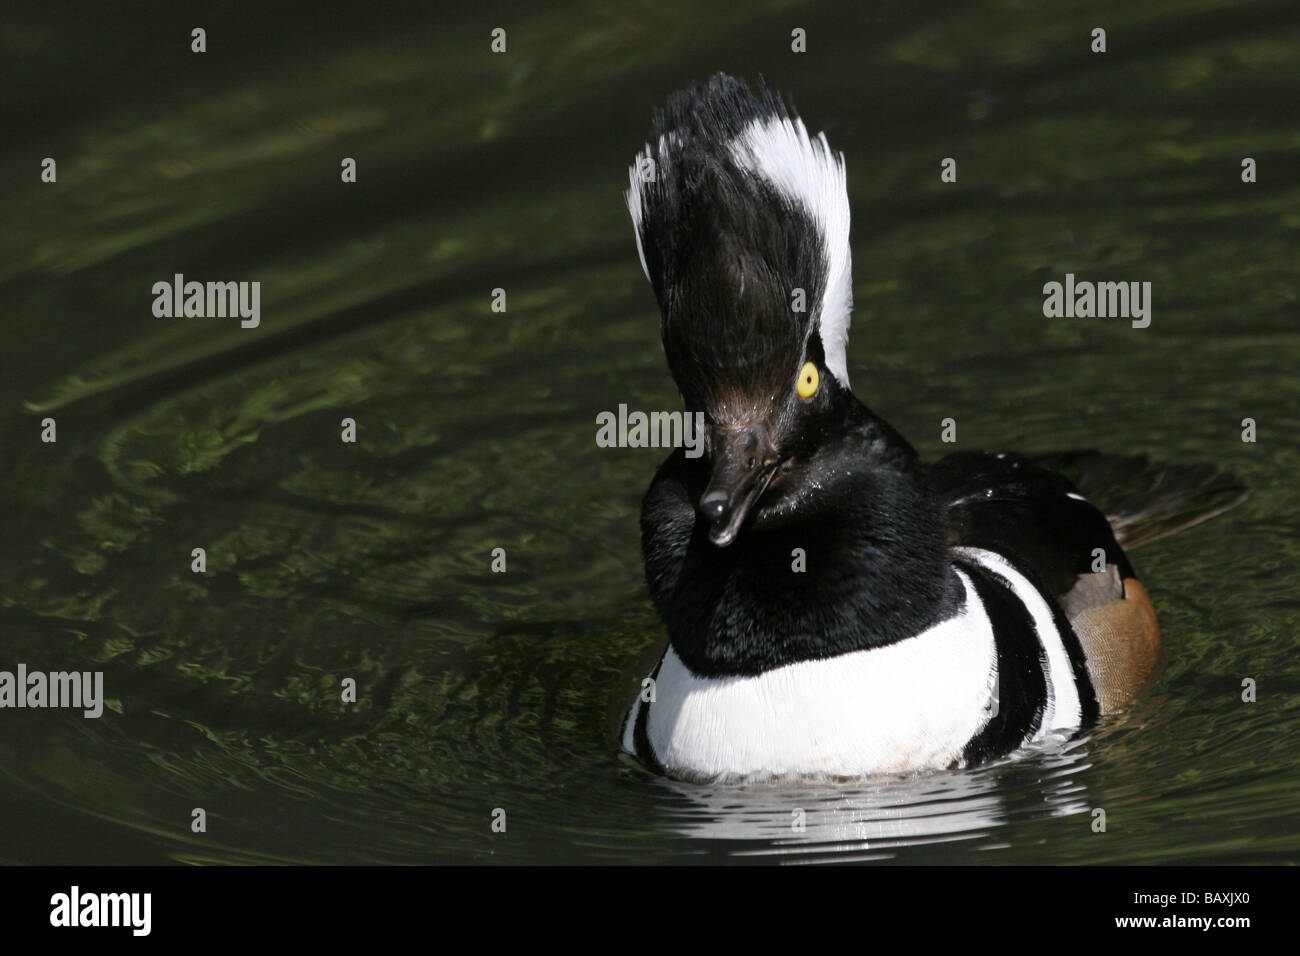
742,225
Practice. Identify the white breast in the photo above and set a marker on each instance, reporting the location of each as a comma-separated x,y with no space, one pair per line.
907,706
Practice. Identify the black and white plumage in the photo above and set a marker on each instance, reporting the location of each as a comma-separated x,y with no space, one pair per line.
743,208
944,615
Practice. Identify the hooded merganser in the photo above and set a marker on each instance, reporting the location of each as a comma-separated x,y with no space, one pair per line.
834,606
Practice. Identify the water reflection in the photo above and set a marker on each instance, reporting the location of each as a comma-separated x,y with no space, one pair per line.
869,820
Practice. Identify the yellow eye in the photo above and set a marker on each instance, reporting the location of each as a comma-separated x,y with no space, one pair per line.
808,380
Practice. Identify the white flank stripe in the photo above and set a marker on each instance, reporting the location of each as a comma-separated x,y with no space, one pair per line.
1064,711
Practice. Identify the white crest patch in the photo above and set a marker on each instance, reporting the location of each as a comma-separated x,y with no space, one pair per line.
808,173
638,186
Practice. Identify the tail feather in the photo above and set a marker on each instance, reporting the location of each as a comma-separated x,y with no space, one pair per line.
1144,501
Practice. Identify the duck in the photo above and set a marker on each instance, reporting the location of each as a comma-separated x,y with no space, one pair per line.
834,606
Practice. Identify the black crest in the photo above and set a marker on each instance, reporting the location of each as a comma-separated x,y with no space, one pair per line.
725,250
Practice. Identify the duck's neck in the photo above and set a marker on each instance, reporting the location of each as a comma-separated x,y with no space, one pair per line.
860,561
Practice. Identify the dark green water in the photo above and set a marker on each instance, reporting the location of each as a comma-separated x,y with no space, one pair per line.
476,429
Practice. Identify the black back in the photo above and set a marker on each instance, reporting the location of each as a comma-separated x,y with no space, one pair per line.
1009,505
